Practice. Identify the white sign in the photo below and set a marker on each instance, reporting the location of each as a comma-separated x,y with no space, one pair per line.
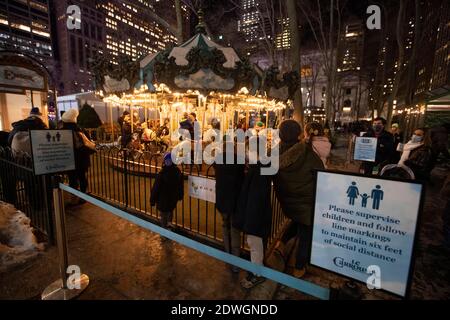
363,224
202,188
52,151
365,149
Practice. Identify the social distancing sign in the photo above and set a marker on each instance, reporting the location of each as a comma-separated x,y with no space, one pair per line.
364,225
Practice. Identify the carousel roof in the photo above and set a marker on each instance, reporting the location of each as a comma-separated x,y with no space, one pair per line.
201,41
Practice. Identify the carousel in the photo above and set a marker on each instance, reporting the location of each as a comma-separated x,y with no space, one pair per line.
199,77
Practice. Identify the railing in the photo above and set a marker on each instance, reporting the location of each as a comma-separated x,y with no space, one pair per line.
29,193
125,178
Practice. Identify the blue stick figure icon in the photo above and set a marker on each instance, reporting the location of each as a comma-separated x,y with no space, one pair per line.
377,196
352,193
364,199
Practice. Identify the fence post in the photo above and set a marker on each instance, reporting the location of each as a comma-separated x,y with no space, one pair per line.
125,174
61,289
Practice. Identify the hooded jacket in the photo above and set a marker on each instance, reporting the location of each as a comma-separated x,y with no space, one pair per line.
19,139
168,188
295,181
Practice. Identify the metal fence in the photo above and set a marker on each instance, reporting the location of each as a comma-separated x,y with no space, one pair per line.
125,178
29,193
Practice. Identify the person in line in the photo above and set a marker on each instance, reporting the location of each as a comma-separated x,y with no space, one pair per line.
19,138
254,215
398,139
167,190
418,155
315,136
294,187
385,146
77,177
229,180
125,127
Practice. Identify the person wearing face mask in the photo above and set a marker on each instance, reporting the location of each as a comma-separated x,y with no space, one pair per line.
418,155
385,146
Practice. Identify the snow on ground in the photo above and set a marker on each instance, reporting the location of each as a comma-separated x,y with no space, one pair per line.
17,241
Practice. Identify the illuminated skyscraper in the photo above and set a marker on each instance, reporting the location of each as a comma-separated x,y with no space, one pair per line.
110,28
25,26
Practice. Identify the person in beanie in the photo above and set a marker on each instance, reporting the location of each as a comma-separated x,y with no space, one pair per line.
229,179
253,214
294,187
315,136
18,138
167,190
77,178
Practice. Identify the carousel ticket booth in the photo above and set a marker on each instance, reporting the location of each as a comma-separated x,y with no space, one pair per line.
23,85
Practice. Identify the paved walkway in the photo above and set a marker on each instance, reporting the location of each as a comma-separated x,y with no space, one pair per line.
124,261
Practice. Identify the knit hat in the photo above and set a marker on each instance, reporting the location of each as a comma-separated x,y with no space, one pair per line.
35,112
290,130
395,125
70,116
168,159
260,124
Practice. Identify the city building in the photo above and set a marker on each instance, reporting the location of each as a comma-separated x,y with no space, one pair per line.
25,27
350,51
111,28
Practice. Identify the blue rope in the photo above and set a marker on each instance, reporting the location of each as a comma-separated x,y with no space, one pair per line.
285,279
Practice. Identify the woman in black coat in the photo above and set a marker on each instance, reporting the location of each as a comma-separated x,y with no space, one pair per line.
167,190
254,215
82,156
229,179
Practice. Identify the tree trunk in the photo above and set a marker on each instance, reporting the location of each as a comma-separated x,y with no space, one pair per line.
179,14
412,61
295,58
400,61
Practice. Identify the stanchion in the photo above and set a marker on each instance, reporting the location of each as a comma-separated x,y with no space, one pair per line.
59,290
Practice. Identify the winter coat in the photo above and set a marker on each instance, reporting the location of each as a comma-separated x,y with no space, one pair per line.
82,157
187,125
30,123
295,181
229,180
168,189
385,147
254,212
322,147
421,162
19,139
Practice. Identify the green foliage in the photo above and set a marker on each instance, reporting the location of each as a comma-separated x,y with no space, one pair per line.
436,119
88,118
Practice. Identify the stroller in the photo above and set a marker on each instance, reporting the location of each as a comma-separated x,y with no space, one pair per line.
397,171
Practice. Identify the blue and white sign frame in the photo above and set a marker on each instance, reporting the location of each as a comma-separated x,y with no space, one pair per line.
365,228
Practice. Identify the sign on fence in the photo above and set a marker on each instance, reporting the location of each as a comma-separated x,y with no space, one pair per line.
365,149
202,188
52,151
364,225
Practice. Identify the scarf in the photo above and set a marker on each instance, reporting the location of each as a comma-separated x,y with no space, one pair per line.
407,148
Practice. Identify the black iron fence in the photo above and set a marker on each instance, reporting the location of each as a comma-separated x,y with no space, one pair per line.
125,178
29,193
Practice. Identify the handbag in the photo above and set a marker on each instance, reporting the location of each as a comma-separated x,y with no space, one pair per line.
84,144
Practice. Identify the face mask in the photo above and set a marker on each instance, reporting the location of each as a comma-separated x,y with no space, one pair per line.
378,127
416,139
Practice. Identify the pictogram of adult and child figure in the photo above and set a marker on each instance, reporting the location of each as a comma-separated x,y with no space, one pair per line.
376,195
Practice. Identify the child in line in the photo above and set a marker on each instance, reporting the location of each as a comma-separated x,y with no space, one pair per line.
167,190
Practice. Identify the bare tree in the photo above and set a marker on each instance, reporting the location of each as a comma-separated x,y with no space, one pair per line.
400,60
327,35
295,57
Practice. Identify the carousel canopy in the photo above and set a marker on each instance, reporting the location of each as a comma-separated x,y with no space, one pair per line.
199,40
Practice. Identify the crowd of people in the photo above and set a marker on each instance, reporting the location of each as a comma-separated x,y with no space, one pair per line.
414,158
243,193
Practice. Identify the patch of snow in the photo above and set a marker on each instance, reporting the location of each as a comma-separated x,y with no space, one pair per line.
17,241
